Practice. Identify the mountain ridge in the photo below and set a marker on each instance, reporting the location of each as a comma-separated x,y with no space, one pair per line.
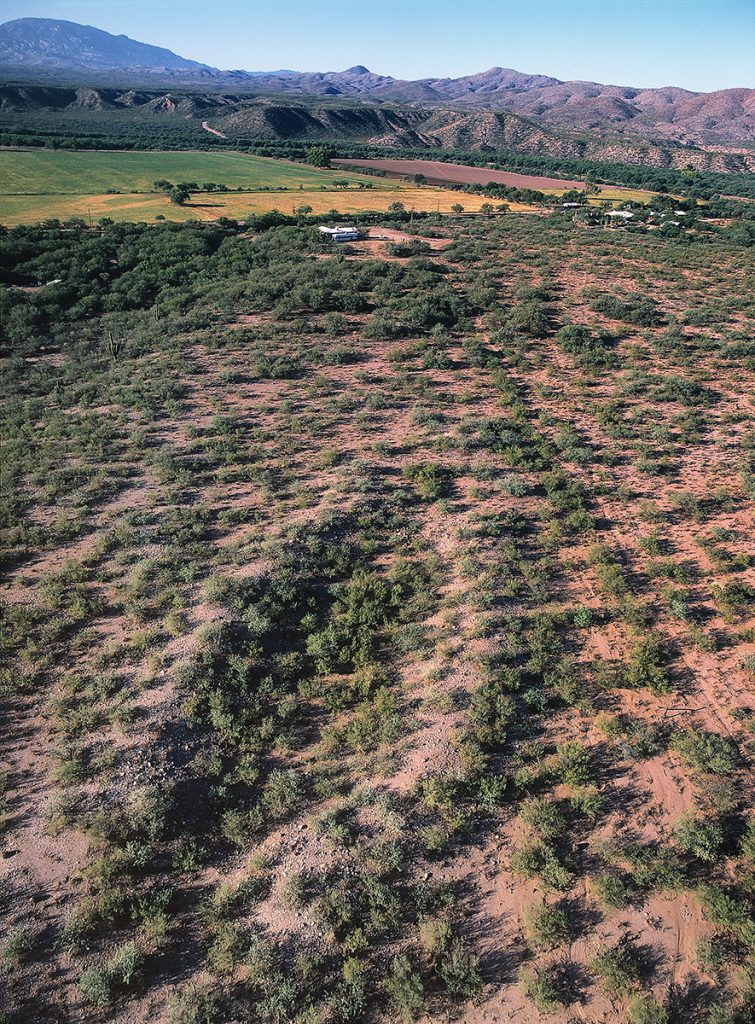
53,42
670,113
244,118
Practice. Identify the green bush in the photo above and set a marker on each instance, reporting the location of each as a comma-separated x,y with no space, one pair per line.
646,1010
100,985
647,665
453,962
707,752
432,481
613,890
96,986
195,1004
490,712
727,912
589,348
545,816
618,968
17,946
545,986
546,927
405,989
703,839
540,859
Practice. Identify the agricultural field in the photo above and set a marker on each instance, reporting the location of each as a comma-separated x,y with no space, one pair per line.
208,207
43,185
58,172
438,172
379,625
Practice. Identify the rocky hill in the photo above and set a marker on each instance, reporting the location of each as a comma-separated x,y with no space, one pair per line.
243,119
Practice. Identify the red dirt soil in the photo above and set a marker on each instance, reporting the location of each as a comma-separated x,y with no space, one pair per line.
439,173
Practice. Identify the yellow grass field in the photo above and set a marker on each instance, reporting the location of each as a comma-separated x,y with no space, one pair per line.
140,207
621,195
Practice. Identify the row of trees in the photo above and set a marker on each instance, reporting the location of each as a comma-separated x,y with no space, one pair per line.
179,193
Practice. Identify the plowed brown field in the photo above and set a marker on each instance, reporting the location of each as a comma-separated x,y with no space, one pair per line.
438,173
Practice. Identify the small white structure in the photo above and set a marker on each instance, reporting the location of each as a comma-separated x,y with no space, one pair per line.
342,233
624,214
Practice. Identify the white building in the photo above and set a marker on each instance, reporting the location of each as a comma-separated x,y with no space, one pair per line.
340,234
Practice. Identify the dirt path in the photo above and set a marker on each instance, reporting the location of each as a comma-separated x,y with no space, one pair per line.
213,131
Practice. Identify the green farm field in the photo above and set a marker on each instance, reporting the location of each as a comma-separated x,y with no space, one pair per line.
50,172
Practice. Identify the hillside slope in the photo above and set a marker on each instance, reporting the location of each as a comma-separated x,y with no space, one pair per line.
244,119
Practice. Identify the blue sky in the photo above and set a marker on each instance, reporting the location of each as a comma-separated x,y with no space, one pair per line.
698,44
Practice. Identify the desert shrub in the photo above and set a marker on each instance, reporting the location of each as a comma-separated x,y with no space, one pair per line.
735,598
647,1010
712,953
618,968
609,571
452,960
582,617
100,985
589,348
17,946
588,801
374,722
458,969
726,1015
282,793
613,890
350,997
514,485
415,247
96,987
490,713
405,989
546,927
727,912
195,1004
641,741
229,944
703,839
706,752
573,765
640,311
294,891
530,317
647,665
680,389
229,901
747,841
432,481
545,816
654,867
541,860
546,987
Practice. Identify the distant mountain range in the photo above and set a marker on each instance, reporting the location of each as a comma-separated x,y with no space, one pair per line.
725,118
50,44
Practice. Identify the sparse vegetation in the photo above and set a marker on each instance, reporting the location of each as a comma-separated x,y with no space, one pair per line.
353,592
